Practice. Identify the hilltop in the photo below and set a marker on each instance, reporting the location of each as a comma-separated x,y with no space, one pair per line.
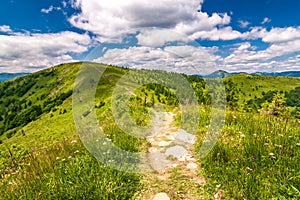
46,96
40,149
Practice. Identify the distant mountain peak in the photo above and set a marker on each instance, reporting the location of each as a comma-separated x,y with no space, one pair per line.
9,76
223,74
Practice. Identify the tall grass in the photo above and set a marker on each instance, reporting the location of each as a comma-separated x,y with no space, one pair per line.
257,157
65,171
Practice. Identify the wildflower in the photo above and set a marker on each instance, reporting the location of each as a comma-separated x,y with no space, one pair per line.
242,135
254,158
104,143
298,144
77,151
254,135
70,157
63,159
266,144
218,186
57,158
272,155
280,135
276,145
107,139
248,169
73,141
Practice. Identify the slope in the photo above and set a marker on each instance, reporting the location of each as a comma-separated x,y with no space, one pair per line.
42,157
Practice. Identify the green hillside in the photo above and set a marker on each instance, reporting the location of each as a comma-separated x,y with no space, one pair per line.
42,156
251,86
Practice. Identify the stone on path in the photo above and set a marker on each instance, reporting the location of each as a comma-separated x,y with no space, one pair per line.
176,151
158,160
192,166
190,158
164,143
185,137
161,196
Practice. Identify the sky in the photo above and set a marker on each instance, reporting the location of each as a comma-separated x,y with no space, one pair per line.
186,36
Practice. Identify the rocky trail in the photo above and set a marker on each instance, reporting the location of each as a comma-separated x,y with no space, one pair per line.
176,173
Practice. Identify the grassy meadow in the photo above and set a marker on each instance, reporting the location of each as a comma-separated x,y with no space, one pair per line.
42,157
256,157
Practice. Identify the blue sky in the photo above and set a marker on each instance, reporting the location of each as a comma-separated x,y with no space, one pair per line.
189,36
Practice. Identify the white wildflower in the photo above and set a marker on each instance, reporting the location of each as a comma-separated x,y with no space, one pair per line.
272,155
248,169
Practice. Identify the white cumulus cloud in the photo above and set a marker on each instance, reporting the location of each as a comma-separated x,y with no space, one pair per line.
276,57
243,24
50,9
282,34
29,53
5,29
111,19
266,20
182,59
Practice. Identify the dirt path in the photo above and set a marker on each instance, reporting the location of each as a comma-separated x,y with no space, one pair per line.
171,155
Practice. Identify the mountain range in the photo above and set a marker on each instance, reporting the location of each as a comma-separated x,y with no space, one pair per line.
9,76
222,74
216,74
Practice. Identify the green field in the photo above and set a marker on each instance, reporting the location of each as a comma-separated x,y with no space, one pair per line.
42,157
